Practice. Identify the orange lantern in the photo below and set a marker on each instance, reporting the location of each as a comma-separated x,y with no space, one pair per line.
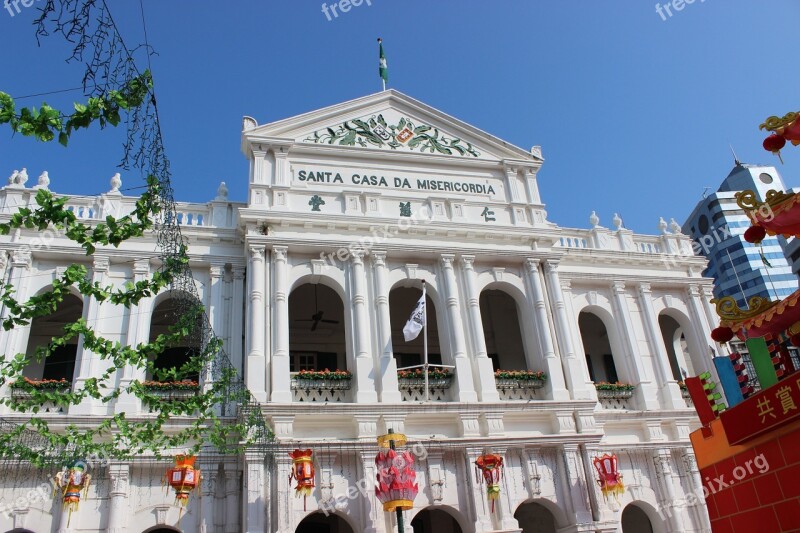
72,480
303,472
183,478
491,466
610,480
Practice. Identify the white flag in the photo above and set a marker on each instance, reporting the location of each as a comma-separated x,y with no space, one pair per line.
416,322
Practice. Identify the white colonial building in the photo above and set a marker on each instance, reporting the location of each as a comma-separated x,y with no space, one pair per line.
349,209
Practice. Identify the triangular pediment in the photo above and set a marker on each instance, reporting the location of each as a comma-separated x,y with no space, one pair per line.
392,122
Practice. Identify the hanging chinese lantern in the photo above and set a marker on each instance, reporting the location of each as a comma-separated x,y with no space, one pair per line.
610,480
491,466
183,478
775,143
72,480
396,488
303,472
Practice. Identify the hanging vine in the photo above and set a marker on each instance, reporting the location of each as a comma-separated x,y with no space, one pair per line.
223,414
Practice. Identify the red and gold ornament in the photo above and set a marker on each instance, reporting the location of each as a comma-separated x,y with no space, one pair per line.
72,481
183,478
303,472
610,480
491,467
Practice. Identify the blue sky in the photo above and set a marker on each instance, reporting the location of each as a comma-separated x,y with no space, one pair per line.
634,113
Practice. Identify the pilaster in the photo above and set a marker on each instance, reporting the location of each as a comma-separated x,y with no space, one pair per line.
466,387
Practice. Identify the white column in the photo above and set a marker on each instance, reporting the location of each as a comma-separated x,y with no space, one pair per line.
695,499
119,475
284,507
476,493
667,499
208,500
701,330
237,320
670,393
484,371
371,508
255,503
216,311
15,338
138,327
256,371
636,370
389,391
555,372
466,387
574,482
281,380
573,368
233,488
87,363
364,362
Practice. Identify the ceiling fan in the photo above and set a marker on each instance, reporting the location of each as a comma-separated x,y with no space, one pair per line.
316,318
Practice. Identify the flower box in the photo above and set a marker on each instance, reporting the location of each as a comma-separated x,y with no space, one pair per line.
172,390
437,378
322,380
519,379
20,390
614,391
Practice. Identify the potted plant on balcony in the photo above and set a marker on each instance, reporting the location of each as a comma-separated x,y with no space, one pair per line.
519,379
21,389
322,380
172,390
614,391
438,378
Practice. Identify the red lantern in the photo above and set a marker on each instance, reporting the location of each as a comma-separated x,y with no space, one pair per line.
722,334
610,480
396,488
755,234
303,472
491,466
183,478
775,143
72,481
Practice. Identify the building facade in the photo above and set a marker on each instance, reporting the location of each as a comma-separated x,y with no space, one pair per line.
349,209
717,225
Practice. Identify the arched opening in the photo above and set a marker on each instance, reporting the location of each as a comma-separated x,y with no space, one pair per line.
402,302
161,529
635,520
165,315
502,331
320,523
61,362
596,345
317,339
435,521
534,517
677,349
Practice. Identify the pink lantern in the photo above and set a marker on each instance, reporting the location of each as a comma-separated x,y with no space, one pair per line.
610,480
396,487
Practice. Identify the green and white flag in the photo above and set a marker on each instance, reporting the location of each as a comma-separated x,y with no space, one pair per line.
383,69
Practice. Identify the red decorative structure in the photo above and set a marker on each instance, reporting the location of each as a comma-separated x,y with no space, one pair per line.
183,478
303,472
72,480
609,478
786,128
396,488
491,467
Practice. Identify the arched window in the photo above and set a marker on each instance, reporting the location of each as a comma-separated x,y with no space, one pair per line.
502,331
635,520
534,517
165,315
321,523
402,302
597,347
317,339
61,363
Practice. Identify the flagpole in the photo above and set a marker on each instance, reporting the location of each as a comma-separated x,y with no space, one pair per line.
425,340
